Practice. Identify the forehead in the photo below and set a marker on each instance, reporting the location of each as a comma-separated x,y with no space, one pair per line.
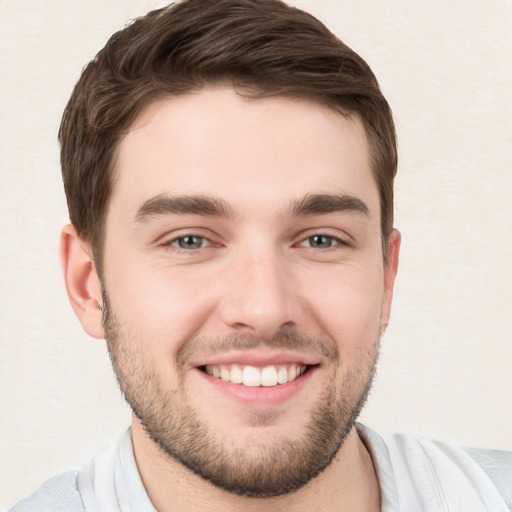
216,142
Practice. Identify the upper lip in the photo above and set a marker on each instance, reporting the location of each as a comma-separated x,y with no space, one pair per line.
256,358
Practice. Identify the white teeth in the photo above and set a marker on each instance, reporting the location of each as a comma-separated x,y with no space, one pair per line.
224,373
236,375
269,376
282,375
253,377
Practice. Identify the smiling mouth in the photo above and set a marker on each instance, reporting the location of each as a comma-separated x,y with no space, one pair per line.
253,376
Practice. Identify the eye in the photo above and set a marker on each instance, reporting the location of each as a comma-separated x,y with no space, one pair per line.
321,242
190,242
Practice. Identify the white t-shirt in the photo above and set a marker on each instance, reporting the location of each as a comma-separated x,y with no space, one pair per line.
415,475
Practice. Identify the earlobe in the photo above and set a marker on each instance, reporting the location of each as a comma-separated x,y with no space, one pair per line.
82,282
390,271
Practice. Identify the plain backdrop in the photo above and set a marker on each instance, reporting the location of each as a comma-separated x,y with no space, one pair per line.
444,372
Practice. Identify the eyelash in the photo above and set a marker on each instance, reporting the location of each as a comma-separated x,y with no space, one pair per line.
175,243
334,241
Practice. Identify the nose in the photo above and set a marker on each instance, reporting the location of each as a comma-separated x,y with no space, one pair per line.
261,296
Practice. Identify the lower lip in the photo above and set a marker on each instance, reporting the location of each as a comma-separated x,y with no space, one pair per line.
260,395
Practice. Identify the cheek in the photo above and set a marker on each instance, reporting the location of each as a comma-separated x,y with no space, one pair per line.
157,305
348,306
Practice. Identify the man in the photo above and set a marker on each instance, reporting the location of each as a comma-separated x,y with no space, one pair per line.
229,173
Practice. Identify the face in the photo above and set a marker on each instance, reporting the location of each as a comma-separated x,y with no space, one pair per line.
245,290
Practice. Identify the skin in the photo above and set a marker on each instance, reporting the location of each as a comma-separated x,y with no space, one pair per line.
256,275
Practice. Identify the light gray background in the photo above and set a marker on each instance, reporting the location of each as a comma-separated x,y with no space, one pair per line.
445,368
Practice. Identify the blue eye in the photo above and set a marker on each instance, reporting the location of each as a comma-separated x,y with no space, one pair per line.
190,242
321,241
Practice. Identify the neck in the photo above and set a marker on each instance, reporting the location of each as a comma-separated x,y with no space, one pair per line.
348,484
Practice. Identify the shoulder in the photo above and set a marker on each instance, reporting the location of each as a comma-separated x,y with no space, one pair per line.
453,467
497,465
59,494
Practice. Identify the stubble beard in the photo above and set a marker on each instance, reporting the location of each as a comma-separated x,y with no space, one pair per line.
184,435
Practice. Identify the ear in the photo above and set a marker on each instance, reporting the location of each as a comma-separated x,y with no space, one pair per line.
390,270
82,282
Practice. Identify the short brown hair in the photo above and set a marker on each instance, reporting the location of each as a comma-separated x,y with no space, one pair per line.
260,47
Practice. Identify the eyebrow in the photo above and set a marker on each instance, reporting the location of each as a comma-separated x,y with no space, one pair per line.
182,205
320,204
309,205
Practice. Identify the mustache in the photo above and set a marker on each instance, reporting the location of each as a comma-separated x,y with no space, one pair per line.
290,341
